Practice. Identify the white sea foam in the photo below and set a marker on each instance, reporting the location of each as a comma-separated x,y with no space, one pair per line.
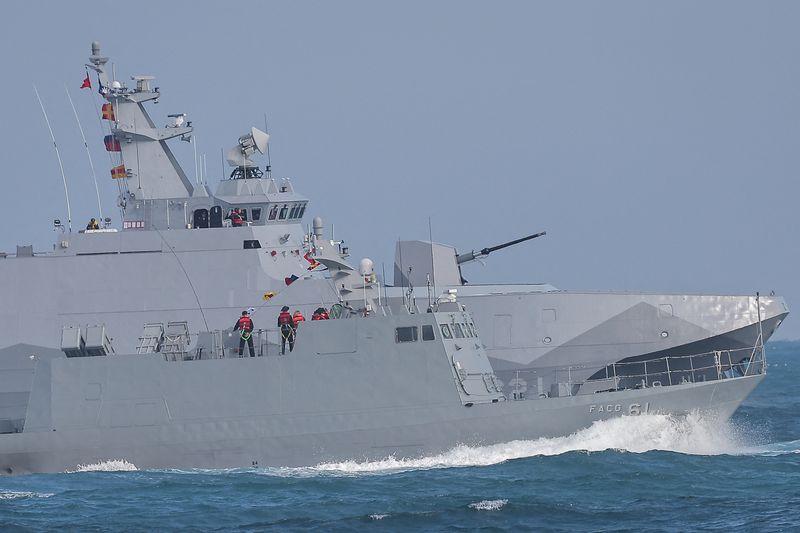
488,505
775,449
16,495
378,516
113,465
691,434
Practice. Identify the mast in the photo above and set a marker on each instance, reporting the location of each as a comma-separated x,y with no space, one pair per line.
147,159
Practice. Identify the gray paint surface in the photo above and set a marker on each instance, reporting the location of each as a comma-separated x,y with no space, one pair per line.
164,266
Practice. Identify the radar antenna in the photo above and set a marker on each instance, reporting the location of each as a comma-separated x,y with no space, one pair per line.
238,156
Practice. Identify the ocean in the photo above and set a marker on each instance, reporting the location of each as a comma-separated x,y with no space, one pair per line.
646,473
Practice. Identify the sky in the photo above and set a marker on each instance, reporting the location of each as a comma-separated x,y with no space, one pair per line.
655,142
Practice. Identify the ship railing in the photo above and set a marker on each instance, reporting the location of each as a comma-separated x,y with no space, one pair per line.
664,371
224,344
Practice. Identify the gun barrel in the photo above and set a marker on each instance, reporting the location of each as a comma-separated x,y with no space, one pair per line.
471,256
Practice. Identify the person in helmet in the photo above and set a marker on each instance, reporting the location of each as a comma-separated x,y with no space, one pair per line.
286,325
93,224
245,326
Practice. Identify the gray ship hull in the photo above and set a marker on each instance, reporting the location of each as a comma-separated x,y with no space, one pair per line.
305,408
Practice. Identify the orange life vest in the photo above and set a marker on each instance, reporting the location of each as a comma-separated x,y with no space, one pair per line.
285,319
245,324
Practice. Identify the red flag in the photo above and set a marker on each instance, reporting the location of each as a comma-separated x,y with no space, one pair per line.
108,112
314,262
87,84
112,144
119,172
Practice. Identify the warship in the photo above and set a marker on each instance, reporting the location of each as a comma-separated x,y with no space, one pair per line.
141,363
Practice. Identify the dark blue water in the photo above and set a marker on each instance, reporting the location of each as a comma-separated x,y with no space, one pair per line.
649,473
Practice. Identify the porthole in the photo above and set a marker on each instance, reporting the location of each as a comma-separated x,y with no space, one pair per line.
547,340
446,333
664,334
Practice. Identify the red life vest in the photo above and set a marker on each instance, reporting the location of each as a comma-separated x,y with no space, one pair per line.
324,315
297,318
285,319
245,324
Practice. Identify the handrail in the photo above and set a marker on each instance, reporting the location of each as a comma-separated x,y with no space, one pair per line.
666,370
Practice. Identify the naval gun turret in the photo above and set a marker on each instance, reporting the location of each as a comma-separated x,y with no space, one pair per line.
473,256
416,261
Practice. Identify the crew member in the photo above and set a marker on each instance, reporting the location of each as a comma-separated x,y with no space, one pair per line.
236,218
286,325
93,224
297,317
320,314
245,327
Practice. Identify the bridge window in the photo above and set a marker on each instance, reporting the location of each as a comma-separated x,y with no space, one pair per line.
216,217
301,211
406,334
427,333
293,211
458,331
200,218
256,214
273,212
284,210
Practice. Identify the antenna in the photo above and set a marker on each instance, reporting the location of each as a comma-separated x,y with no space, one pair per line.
58,156
269,159
238,156
88,153
433,262
196,163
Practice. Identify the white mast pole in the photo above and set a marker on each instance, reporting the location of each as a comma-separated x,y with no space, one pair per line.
58,156
88,153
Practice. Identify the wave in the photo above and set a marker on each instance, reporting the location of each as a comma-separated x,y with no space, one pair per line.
775,449
691,434
113,465
488,505
17,495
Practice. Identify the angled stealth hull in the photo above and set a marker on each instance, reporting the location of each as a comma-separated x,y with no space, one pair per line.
343,394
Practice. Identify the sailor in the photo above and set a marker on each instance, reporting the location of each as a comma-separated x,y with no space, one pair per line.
236,218
245,326
320,314
93,224
297,317
286,325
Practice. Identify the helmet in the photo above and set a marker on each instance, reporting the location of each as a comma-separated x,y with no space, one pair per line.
285,308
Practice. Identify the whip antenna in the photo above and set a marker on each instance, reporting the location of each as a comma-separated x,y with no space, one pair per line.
58,156
88,153
269,159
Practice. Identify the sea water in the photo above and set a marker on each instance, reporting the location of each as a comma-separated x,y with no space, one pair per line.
646,473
